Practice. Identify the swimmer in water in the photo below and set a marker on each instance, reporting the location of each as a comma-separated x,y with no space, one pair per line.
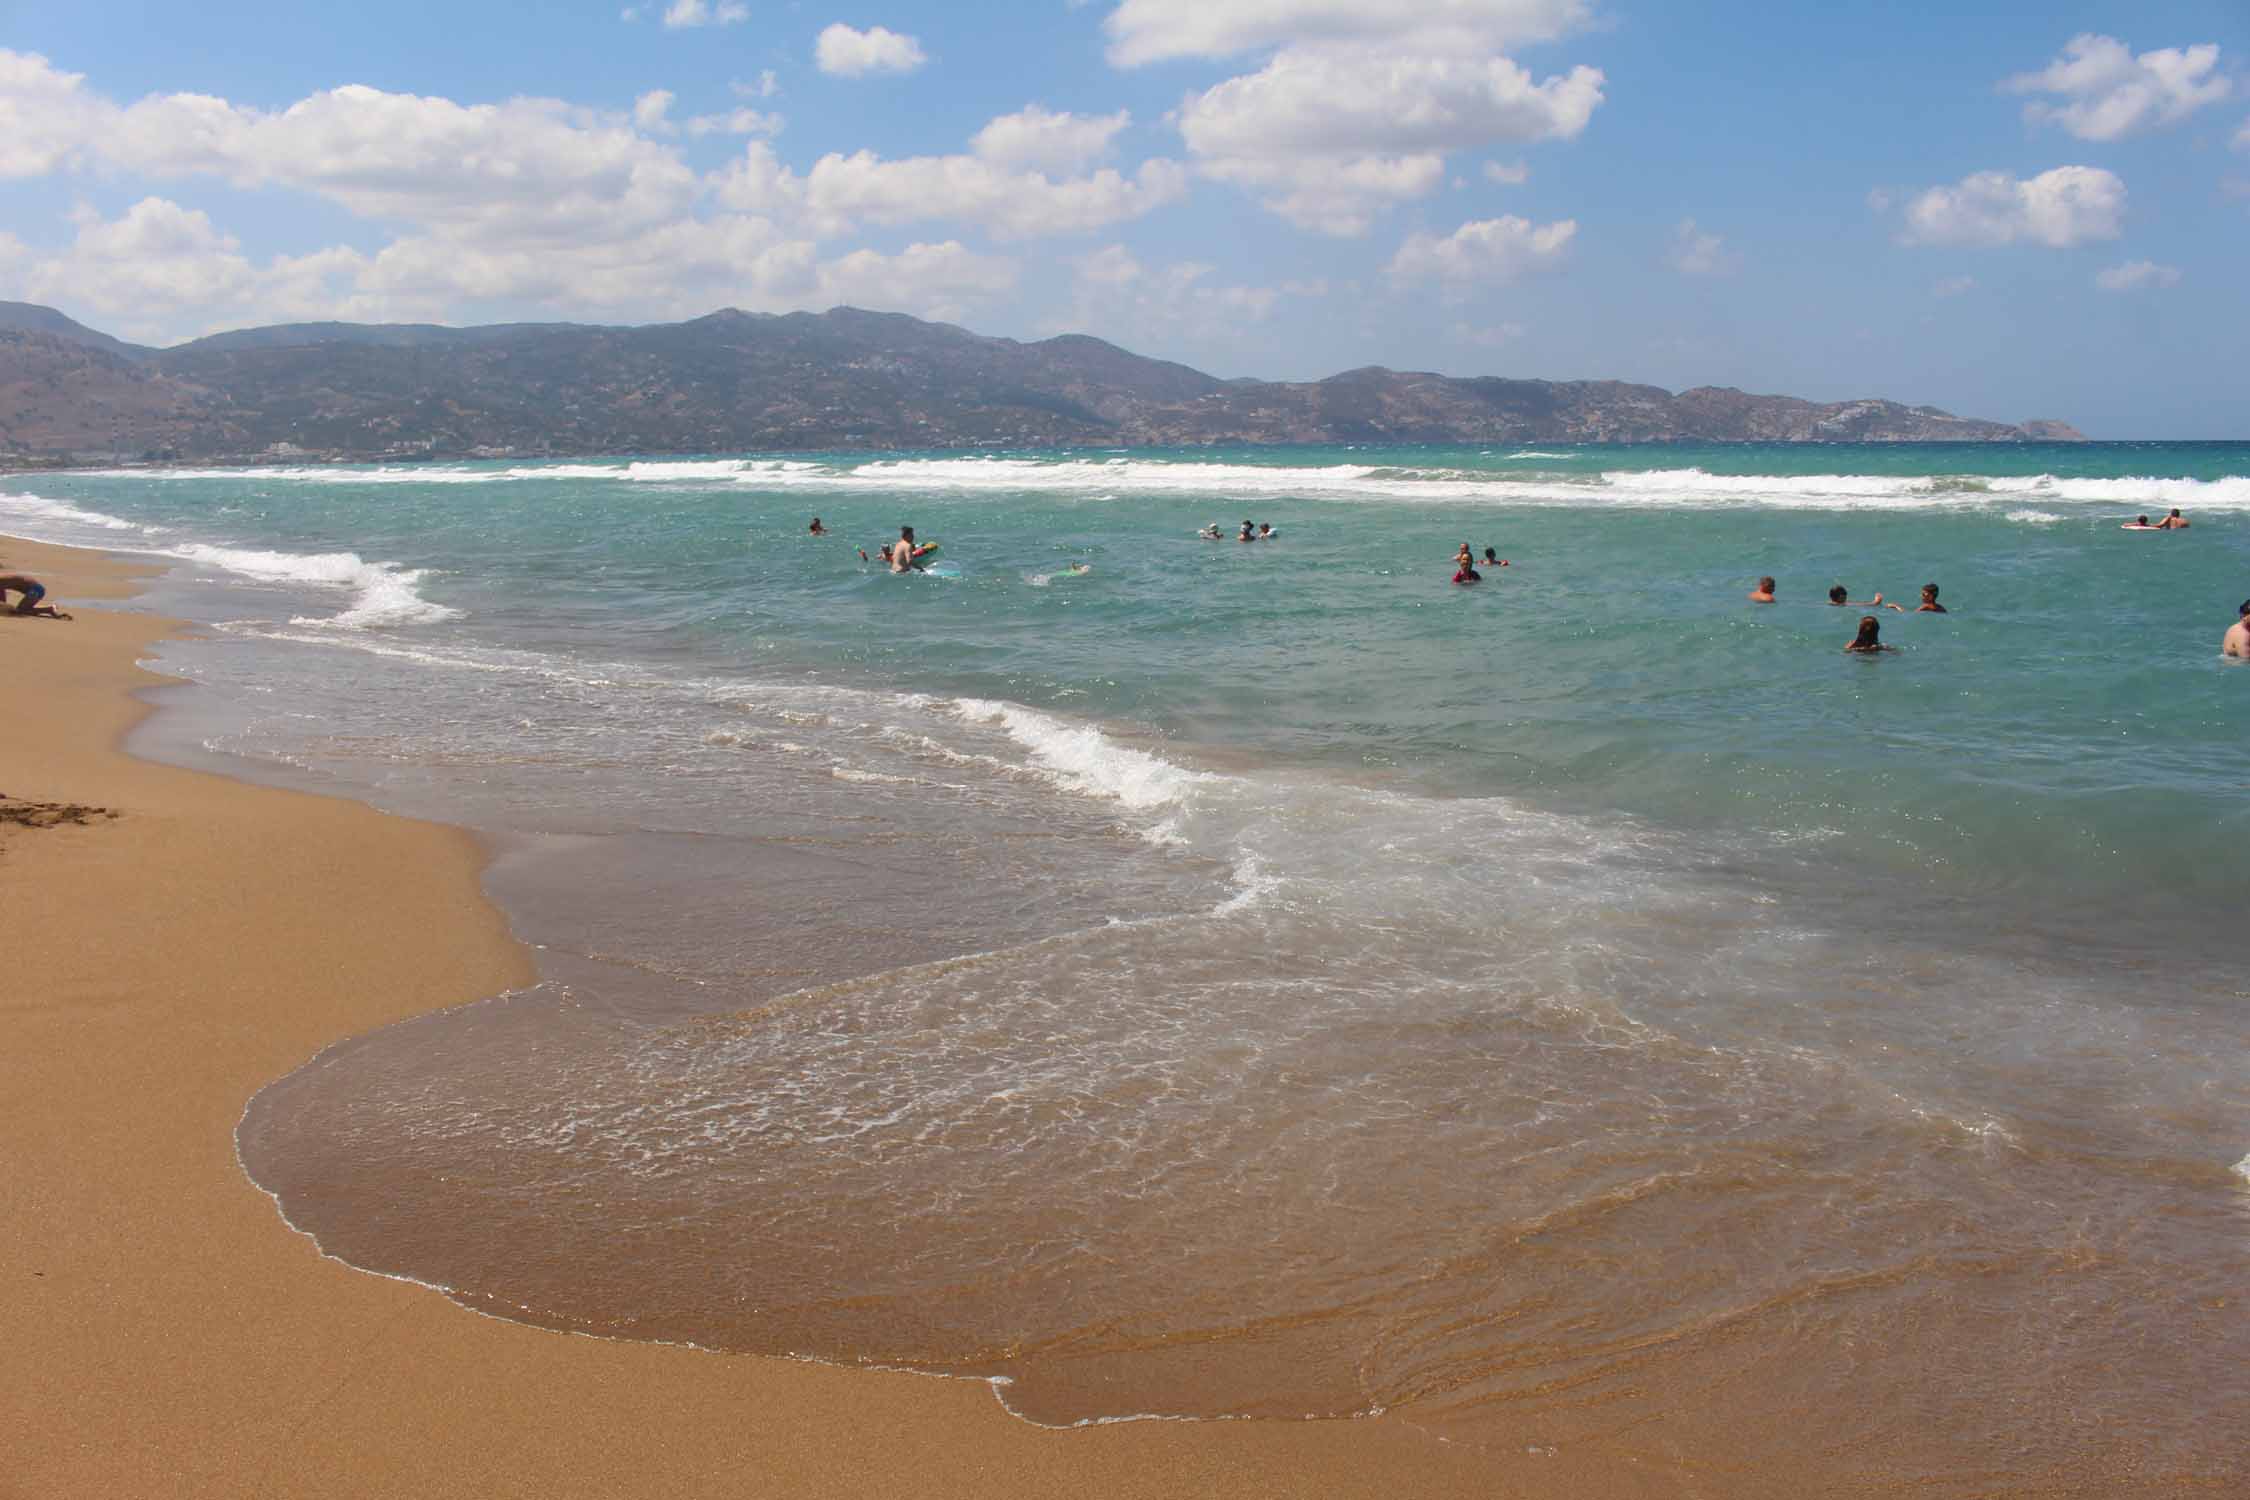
1836,596
1870,637
1265,532
1763,593
2236,643
1493,562
1247,534
900,554
1467,572
1465,558
2173,522
1929,604
1212,533
818,529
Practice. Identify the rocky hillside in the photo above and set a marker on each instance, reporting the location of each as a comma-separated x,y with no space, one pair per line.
735,381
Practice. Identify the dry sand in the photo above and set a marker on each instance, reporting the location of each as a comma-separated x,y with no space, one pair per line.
167,1334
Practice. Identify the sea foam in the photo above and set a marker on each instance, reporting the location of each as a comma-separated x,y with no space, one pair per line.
382,593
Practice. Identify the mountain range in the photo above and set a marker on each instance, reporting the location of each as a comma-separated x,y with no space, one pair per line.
844,379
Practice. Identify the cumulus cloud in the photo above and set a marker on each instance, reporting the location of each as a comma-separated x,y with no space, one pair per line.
1044,140
1510,174
651,112
532,169
158,260
1360,101
2136,275
1114,291
2107,93
735,122
496,209
685,13
765,86
1145,31
862,188
845,52
1308,103
931,281
2062,207
1697,252
1484,250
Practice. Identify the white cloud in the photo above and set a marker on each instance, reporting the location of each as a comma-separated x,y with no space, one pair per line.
1953,286
931,281
2062,207
844,52
651,112
1307,103
1039,139
766,86
2109,93
684,13
2134,275
1144,31
1696,252
1484,250
863,188
157,262
1512,174
1333,195
735,122
1115,292
1357,103
2242,137
46,115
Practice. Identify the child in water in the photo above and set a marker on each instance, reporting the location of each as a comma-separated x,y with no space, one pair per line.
1870,637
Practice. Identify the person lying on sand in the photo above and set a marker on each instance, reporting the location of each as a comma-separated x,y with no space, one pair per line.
1763,593
2236,643
1929,604
1836,596
1870,637
33,591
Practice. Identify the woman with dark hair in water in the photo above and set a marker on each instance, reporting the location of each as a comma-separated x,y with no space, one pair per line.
1870,637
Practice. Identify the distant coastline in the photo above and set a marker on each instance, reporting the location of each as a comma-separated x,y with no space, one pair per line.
844,380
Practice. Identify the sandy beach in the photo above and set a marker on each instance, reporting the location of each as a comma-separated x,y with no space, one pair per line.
193,939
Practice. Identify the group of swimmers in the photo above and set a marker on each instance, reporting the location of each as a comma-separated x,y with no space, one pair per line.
1465,564
2173,522
1264,533
1870,637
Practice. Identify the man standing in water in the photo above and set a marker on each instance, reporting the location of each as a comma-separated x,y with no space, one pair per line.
2173,522
901,552
2237,641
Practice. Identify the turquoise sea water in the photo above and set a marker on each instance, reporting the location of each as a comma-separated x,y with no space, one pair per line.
1398,994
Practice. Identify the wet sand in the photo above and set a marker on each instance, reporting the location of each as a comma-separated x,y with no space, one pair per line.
170,1335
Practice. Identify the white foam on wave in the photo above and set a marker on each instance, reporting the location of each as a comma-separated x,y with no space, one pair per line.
382,593
1539,453
38,509
2230,493
1082,759
2034,517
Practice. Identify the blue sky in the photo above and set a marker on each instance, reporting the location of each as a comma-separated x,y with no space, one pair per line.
2008,210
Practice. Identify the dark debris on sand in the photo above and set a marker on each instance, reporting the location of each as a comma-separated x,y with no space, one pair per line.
17,813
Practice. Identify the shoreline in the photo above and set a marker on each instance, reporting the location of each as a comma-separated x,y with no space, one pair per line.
177,1337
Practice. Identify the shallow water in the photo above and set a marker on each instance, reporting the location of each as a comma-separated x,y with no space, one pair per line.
1267,980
